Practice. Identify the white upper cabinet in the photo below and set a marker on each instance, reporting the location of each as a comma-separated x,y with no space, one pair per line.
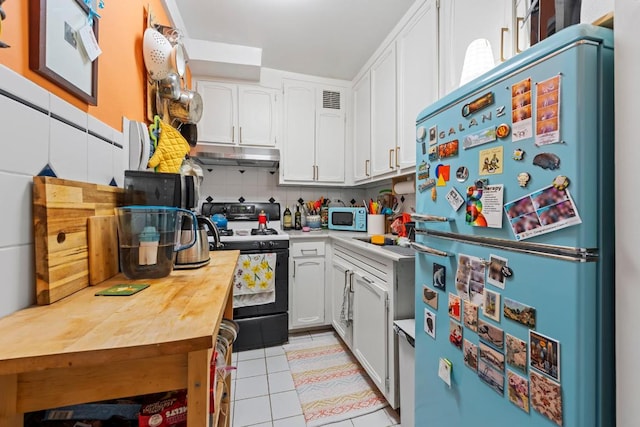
383,113
417,52
461,22
237,114
314,133
362,128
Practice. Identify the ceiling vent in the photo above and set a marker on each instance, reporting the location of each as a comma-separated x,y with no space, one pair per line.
331,99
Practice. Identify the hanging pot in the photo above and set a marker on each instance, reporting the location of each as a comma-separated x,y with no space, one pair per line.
169,87
188,107
190,132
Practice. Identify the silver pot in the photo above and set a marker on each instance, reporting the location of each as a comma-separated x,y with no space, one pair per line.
188,107
198,254
169,87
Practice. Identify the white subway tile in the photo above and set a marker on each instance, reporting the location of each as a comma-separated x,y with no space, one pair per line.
68,151
17,266
16,193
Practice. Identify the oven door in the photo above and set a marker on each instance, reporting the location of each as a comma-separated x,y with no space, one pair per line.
281,303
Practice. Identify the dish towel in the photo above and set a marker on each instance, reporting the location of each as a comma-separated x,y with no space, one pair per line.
254,280
346,314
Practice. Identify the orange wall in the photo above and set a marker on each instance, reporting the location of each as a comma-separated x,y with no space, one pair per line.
121,71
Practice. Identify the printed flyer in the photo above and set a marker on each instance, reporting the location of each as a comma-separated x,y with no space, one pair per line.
484,206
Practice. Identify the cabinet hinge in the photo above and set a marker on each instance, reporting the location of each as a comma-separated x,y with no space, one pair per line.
386,384
437,4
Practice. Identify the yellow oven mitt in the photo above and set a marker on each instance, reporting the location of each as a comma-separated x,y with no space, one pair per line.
171,149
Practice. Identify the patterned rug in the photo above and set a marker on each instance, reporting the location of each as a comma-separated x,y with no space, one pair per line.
331,385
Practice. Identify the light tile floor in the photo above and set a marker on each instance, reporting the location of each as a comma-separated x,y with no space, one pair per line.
263,394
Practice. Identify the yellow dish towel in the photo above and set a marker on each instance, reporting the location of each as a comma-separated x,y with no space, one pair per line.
254,274
172,147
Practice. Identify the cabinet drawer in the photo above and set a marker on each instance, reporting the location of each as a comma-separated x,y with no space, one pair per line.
299,249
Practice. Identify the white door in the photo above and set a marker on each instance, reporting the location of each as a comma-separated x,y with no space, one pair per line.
362,128
417,77
256,116
461,22
341,276
219,112
299,131
383,113
307,308
370,328
330,136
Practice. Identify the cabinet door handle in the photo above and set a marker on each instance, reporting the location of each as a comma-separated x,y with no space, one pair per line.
294,268
317,172
240,132
346,273
391,154
366,279
397,157
351,282
519,25
315,251
366,168
233,134
502,31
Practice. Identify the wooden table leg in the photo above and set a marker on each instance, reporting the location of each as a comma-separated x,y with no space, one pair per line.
198,389
8,402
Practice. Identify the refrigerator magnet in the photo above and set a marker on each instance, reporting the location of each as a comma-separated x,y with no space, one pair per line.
470,316
455,306
455,199
546,397
491,305
423,170
422,187
561,182
444,370
448,149
434,194
519,312
433,135
545,354
462,174
421,133
518,154
491,161
516,353
470,352
503,130
430,323
480,137
455,334
547,161
492,377
477,104
433,153
430,297
439,276
490,334
523,179
493,357
501,110
496,276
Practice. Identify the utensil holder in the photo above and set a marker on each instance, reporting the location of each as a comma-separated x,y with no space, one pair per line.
375,224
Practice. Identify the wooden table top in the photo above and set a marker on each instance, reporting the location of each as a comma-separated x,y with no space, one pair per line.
175,314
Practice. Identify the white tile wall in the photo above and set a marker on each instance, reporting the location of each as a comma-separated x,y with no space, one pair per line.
32,139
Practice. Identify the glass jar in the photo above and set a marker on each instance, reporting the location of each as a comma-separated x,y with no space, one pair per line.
324,217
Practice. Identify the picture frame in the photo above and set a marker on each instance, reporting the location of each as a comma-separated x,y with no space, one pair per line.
55,50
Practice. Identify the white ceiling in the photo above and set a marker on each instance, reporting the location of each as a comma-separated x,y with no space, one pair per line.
328,38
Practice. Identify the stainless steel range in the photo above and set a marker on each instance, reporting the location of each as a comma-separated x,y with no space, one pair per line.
261,279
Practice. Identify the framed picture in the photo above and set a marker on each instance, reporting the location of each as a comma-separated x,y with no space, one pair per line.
55,49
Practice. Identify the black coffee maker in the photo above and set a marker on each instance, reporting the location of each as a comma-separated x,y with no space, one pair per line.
149,188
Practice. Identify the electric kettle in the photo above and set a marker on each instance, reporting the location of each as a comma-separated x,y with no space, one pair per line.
197,255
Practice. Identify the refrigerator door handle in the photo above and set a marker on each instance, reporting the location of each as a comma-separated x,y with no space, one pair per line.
429,218
564,253
428,250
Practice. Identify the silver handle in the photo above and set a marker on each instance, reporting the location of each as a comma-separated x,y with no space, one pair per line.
366,167
429,218
502,31
240,134
564,253
519,25
351,281
397,156
428,250
294,268
366,279
315,251
390,163
233,134
346,273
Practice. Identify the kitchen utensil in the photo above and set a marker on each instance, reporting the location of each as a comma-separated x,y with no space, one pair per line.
220,220
169,87
188,107
102,239
156,51
198,254
139,146
149,235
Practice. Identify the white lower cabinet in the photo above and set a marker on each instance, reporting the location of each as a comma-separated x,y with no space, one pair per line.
369,292
306,284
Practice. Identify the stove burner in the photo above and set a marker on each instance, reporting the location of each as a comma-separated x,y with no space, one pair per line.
265,232
226,232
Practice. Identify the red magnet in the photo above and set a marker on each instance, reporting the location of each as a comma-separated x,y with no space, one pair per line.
503,130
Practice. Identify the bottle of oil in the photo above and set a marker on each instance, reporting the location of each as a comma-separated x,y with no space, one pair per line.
287,219
298,219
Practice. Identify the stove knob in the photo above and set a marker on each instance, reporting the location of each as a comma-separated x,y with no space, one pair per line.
262,245
271,243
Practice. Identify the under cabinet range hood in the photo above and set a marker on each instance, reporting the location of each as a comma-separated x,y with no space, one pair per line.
220,155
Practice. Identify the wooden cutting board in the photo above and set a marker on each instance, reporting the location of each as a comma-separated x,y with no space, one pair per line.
102,237
61,209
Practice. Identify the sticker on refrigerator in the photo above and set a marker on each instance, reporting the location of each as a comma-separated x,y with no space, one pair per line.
491,161
484,206
491,305
516,353
439,276
518,390
548,111
480,137
455,333
492,377
545,354
546,397
455,199
470,316
543,211
521,110
519,312
430,323
430,297
470,352
496,275
470,269
490,334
